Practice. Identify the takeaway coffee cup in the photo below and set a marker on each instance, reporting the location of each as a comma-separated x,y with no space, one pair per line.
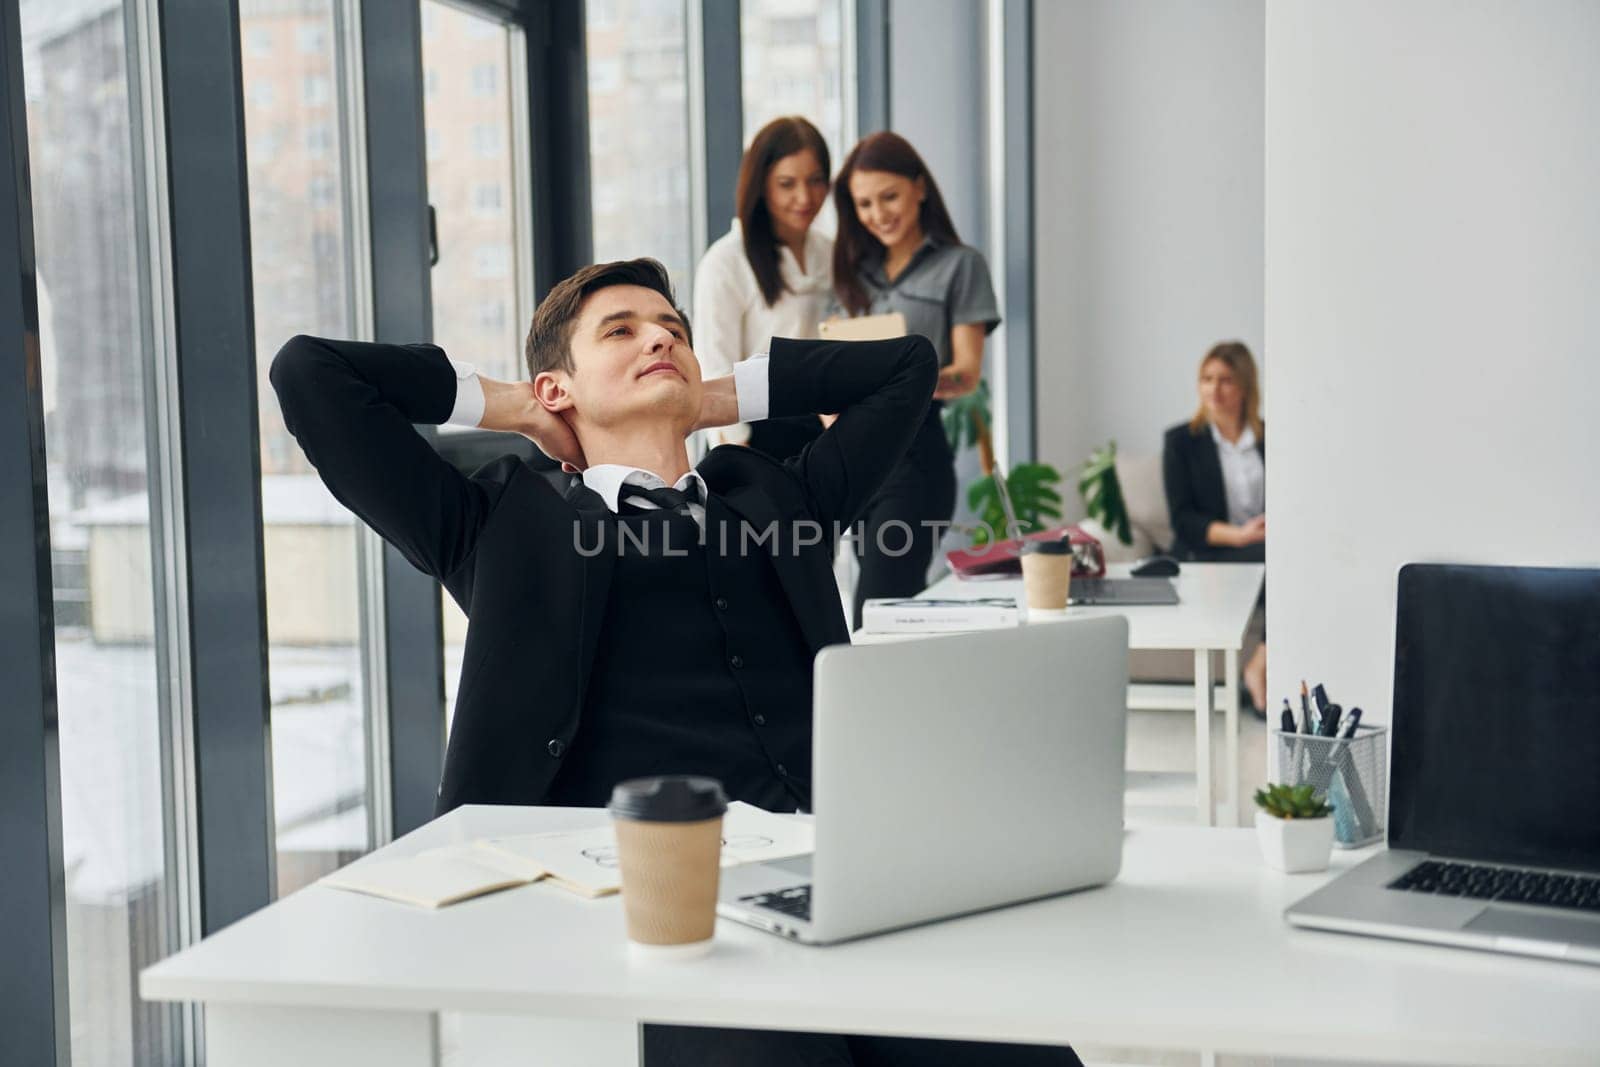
1047,574
669,847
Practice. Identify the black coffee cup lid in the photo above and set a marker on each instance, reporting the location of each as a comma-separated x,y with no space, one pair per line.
669,798
1053,547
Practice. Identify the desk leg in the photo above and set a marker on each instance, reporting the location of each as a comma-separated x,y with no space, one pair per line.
1230,733
251,1035
1204,798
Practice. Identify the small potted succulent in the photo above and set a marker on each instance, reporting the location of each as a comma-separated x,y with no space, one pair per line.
1294,827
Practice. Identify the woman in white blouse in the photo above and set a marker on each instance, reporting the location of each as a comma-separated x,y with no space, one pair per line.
769,276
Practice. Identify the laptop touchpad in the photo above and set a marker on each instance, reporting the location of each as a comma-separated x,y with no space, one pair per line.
1511,922
794,864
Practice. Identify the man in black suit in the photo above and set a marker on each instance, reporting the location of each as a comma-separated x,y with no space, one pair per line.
656,618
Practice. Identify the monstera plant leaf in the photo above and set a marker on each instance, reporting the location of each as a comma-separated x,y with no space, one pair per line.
1034,494
1102,493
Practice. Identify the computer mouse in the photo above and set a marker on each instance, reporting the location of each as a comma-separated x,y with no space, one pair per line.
1155,567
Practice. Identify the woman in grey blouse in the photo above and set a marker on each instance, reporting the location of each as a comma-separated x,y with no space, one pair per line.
897,250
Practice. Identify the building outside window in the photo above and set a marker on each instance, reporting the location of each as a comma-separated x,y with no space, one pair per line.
792,63
301,262
639,170
98,351
471,184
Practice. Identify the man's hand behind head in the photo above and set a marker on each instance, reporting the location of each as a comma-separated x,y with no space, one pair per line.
552,432
513,407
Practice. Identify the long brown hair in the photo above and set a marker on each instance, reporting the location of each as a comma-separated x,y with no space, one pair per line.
1237,358
893,154
776,140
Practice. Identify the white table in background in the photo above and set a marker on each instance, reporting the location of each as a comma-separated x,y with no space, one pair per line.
1214,605
1187,950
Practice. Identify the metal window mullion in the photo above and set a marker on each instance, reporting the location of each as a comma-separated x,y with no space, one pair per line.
871,57
1018,265
370,592
217,444
33,913
716,116
522,165
168,536
405,604
558,132
849,90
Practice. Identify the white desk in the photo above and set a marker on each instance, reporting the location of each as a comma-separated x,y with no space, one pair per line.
1186,950
1214,605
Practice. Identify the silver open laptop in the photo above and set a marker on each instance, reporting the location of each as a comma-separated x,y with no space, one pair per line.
1494,832
1100,592
952,775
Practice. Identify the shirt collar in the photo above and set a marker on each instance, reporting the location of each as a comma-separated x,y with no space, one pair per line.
1246,441
607,479
874,268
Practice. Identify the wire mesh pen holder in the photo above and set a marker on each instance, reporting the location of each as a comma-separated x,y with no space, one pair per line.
1353,775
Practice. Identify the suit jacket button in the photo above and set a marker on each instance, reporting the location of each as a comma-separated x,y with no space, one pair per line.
737,661
722,603
556,747
761,720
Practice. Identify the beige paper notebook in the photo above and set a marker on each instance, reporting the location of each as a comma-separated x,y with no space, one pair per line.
864,328
436,877
585,861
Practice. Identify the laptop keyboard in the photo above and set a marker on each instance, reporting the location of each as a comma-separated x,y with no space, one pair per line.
1512,885
794,902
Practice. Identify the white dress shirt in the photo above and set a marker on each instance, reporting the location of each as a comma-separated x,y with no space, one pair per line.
1244,475
607,479
731,318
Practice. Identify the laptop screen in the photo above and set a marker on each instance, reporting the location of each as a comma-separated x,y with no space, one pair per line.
1497,714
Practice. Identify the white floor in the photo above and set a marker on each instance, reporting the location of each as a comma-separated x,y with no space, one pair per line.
1161,766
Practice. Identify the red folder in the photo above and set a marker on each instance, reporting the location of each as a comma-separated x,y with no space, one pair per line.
1005,557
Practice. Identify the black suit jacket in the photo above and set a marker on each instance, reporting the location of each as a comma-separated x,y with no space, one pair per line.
503,540
1192,474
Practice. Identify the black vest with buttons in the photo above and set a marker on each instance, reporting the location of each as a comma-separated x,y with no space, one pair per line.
700,668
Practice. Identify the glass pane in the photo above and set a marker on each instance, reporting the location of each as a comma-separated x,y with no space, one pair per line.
467,83
96,346
301,268
792,63
468,117
639,134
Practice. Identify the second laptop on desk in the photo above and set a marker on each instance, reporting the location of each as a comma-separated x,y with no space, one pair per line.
950,776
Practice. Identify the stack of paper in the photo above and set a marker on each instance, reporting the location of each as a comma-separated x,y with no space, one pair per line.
581,861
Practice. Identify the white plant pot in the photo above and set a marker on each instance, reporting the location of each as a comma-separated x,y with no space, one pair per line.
1295,846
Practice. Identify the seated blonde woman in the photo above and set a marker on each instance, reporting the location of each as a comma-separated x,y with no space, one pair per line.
1214,467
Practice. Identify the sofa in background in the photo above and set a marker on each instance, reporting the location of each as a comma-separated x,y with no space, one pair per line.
1151,525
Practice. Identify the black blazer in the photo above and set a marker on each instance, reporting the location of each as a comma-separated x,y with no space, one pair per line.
503,540
1192,474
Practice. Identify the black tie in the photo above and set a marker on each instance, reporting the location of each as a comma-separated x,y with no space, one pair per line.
666,499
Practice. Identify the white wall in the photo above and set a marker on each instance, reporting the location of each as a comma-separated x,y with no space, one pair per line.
936,101
1433,309
1148,200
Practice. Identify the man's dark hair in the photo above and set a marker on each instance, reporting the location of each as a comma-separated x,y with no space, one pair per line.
549,344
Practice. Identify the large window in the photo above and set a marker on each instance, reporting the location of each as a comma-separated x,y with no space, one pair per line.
792,63
302,258
474,185
98,349
477,178
639,134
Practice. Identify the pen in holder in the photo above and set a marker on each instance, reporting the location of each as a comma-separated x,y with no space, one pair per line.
1352,773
